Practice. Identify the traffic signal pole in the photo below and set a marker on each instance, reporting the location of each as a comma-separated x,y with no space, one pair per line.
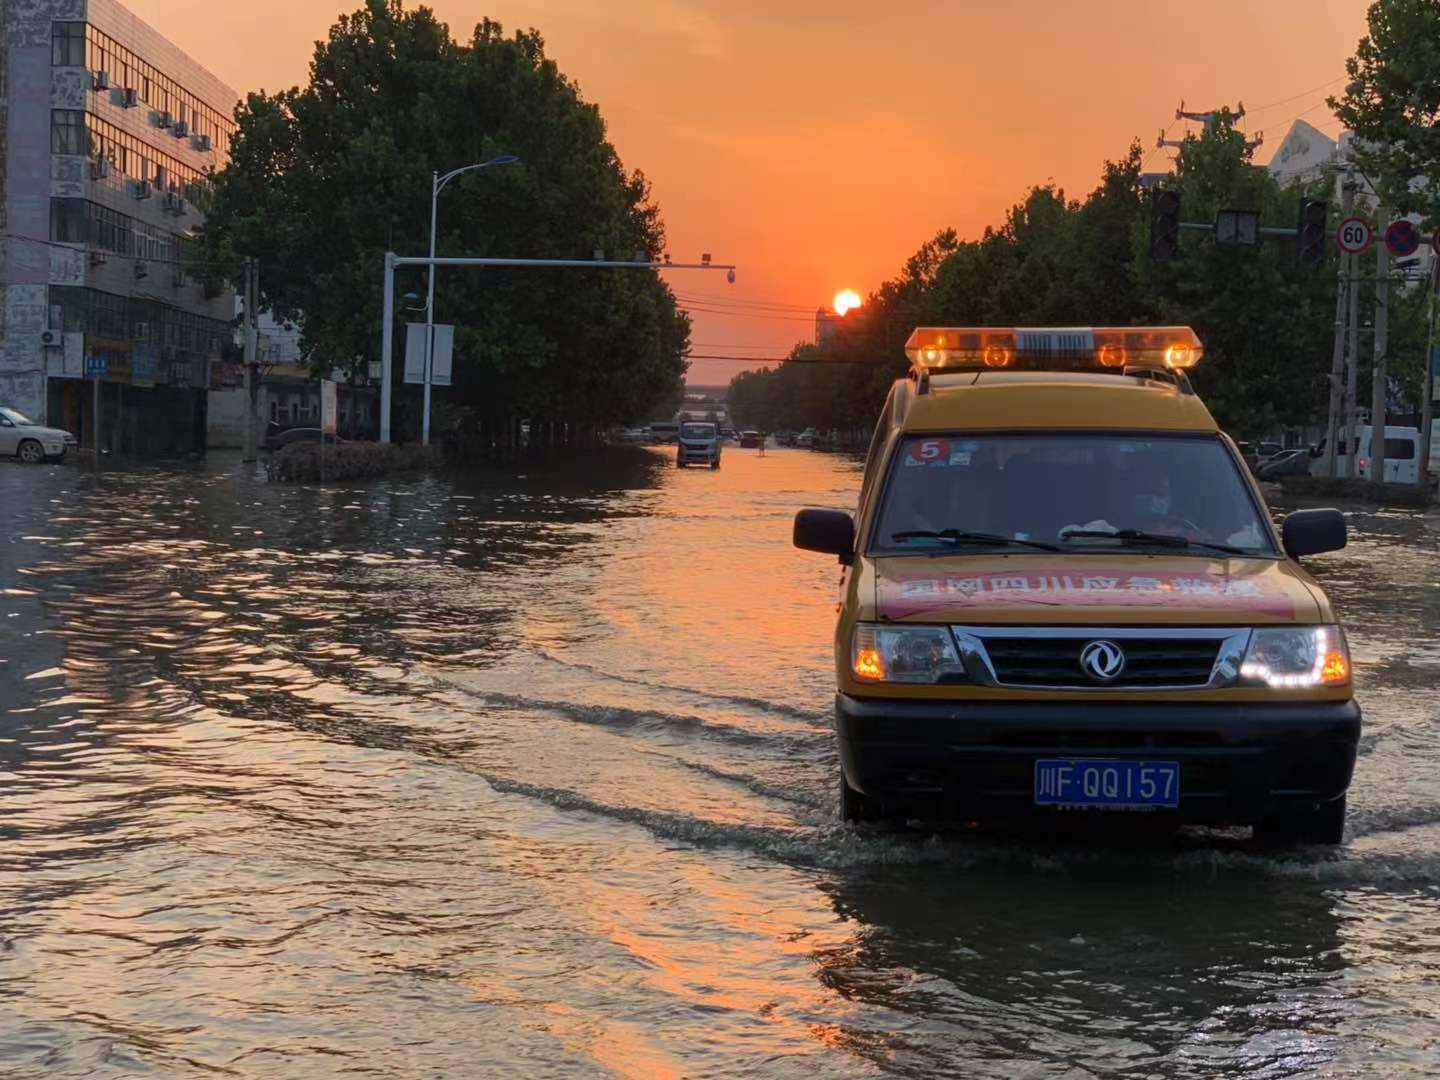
1344,283
1427,383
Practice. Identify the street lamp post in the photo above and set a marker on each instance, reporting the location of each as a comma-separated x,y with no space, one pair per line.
394,262
437,184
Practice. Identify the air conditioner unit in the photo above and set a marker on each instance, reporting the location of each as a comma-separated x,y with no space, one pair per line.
174,203
47,337
202,142
101,80
141,270
130,97
143,189
99,168
97,258
181,129
163,119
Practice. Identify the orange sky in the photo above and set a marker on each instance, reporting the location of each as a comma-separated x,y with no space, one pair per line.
818,144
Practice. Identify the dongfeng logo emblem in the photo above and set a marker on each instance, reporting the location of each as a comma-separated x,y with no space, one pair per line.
1103,661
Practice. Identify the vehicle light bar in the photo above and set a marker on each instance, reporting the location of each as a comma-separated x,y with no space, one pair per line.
1070,348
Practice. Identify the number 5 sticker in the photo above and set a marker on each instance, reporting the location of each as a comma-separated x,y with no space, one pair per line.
931,452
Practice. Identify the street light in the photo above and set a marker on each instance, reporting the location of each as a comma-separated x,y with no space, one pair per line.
437,184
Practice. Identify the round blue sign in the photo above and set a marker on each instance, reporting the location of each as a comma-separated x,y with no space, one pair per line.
1402,238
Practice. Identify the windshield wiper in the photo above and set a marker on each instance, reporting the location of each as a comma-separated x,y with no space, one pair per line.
960,536
1140,537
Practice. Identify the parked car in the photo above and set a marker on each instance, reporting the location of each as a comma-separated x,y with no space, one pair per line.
785,438
1402,454
665,431
275,440
750,439
807,439
32,443
1287,463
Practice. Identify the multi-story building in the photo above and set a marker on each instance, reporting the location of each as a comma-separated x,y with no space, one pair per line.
110,135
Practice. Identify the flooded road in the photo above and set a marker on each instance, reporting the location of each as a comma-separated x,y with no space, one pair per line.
530,774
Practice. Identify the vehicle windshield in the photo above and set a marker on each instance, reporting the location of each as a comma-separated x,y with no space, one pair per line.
697,431
1073,492
16,417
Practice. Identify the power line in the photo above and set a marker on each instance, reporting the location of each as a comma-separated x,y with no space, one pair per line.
1303,93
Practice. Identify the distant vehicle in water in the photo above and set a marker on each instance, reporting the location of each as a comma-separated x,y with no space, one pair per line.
278,439
633,435
665,431
699,444
807,439
785,438
750,439
32,443
1402,454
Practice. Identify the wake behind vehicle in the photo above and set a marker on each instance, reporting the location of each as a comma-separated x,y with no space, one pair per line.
1062,593
698,444
32,443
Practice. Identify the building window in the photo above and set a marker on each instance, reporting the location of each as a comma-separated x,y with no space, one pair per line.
67,44
68,221
67,131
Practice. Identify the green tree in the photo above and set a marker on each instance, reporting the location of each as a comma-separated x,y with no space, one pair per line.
1391,102
324,179
1266,321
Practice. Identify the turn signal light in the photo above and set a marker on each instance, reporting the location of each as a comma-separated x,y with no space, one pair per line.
1336,668
868,664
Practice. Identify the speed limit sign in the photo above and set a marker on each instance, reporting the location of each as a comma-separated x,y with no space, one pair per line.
1353,236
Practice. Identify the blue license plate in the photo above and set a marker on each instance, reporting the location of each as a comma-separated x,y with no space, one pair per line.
1093,782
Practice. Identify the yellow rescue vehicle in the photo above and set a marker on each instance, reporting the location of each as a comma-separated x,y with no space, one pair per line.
1063,592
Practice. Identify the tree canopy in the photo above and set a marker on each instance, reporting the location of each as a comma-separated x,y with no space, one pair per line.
324,179
1267,322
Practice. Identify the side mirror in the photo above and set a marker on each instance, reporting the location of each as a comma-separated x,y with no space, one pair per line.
831,532
1310,532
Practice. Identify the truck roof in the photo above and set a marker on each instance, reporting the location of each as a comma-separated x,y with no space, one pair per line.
1008,400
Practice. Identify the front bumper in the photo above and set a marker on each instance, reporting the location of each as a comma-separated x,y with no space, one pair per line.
975,760
698,455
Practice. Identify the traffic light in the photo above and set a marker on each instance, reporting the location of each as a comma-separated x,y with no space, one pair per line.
1310,234
1164,223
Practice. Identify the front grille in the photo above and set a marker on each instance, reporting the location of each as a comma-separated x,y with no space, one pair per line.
1160,661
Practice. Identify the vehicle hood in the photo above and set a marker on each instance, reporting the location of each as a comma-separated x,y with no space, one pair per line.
1086,589
53,434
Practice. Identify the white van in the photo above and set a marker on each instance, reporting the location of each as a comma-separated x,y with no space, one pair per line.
1402,455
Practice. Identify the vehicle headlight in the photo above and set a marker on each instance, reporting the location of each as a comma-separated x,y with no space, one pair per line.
1297,657
905,654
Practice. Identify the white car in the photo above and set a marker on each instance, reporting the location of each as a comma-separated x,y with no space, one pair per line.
32,443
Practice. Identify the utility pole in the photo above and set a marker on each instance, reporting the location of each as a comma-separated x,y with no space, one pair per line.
1427,382
1344,283
1352,372
252,387
1378,385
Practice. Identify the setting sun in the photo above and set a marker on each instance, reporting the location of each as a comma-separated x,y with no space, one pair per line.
846,300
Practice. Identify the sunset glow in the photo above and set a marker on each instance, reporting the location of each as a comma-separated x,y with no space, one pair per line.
846,300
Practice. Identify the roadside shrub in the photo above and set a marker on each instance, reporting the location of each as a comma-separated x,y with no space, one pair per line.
300,462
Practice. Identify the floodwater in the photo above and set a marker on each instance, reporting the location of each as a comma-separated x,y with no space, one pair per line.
529,774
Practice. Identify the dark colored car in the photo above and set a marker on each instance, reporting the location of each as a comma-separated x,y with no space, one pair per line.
276,439
1289,463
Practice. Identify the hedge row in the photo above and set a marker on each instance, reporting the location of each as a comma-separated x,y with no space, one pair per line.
350,461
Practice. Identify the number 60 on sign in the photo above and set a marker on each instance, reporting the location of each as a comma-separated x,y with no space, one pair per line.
1353,236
